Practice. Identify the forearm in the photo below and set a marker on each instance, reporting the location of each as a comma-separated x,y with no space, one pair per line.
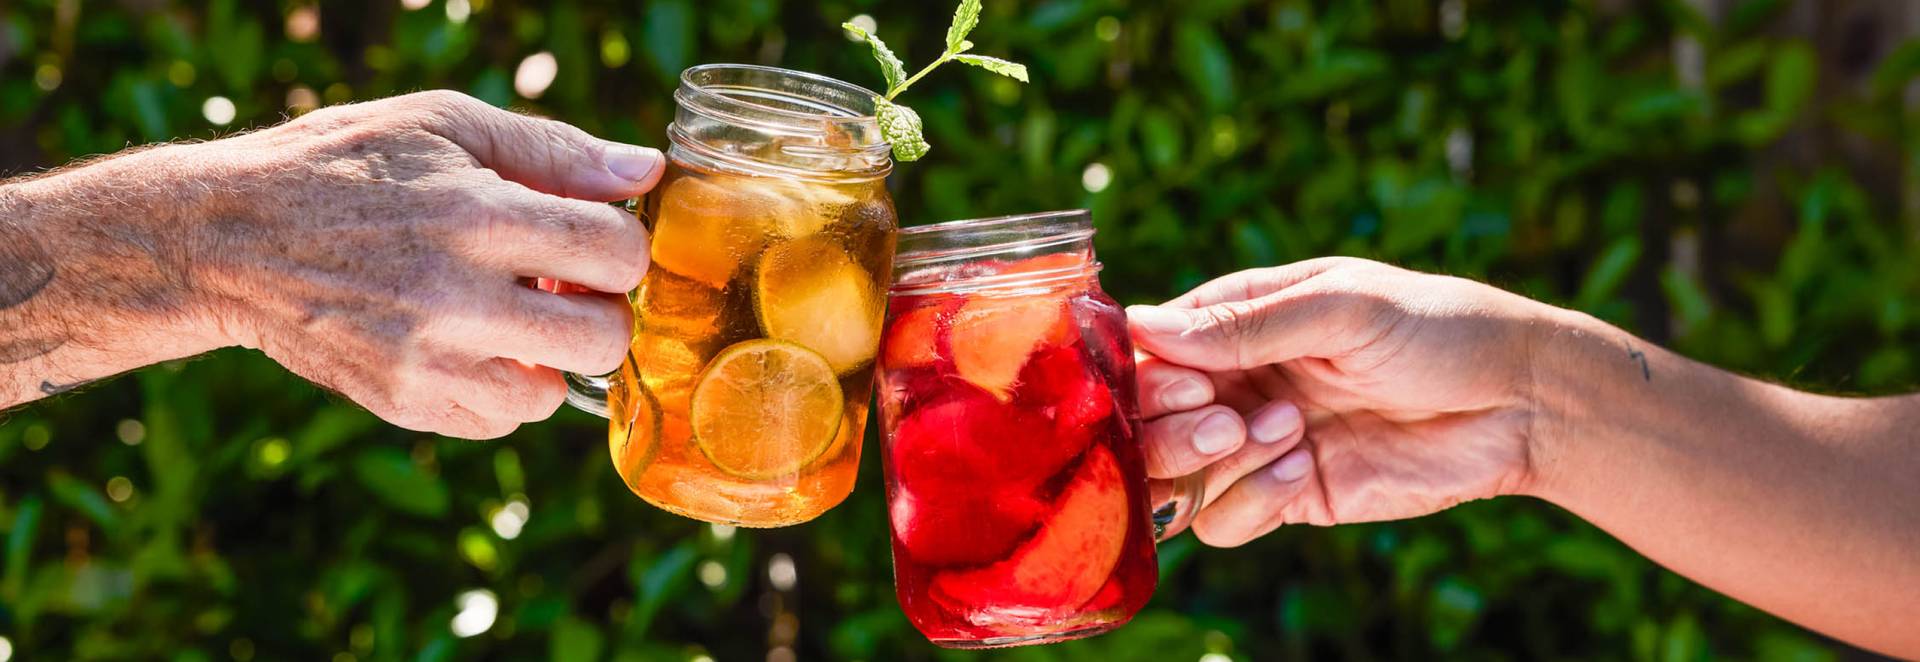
96,272
1806,506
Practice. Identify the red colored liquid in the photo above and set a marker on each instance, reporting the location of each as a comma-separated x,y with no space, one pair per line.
1017,491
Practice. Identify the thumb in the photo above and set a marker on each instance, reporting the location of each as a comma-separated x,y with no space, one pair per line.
1237,335
552,157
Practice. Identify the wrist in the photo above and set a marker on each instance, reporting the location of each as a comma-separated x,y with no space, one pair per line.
1562,389
124,235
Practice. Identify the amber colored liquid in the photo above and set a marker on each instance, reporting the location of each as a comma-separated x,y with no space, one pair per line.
1017,490
711,233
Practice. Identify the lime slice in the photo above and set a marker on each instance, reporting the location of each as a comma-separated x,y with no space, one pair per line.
765,409
636,424
809,292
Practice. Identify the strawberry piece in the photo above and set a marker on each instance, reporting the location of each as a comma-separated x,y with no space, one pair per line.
992,337
1063,565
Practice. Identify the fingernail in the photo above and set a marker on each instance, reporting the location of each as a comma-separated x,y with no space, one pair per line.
1183,395
1155,319
1214,433
632,162
1292,466
1274,422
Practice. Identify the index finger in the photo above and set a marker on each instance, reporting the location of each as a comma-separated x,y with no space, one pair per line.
1256,283
542,154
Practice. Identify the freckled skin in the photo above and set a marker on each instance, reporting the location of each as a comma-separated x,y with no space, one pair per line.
381,250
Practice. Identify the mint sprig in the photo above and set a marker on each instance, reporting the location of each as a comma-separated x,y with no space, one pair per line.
898,123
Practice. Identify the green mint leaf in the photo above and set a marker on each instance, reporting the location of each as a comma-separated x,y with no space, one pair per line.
890,66
996,65
901,126
965,17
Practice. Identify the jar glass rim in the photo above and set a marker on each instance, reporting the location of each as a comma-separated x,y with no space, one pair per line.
928,249
803,125
696,83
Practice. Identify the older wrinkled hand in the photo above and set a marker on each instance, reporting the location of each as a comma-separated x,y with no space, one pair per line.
384,250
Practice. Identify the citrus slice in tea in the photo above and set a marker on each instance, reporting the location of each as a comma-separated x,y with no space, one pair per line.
808,291
765,408
992,336
703,230
636,424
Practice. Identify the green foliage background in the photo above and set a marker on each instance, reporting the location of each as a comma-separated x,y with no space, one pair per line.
1560,148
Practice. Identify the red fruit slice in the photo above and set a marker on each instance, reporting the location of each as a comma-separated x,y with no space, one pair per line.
992,337
913,338
962,526
1064,564
968,440
1058,380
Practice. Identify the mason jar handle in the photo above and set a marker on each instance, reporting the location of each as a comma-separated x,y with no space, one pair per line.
1175,501
588,393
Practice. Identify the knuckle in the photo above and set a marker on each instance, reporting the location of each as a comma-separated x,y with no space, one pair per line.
1233,319
442,102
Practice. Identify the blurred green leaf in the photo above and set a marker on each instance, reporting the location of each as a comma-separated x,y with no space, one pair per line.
20,537
668,37
664,578
392,477
86,499
574,640
1201,57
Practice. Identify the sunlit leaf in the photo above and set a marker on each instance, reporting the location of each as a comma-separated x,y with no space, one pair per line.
393,477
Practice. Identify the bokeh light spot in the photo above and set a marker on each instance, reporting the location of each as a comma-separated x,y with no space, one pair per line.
218,110
130,432
1096,178
535,75
781,572
477,609
303,23
119,488
713,574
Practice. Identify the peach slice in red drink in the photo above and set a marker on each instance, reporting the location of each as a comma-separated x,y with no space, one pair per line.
913,337
992,337
1063,565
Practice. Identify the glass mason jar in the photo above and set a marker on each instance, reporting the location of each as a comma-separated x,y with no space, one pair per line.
744,395
1017,493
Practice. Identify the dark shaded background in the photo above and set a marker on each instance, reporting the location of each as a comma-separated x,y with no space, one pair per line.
1736,179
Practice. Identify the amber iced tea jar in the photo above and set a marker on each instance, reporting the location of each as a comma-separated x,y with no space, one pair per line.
1017,494
743,397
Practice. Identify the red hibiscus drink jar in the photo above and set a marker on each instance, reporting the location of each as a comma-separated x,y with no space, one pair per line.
1017,494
